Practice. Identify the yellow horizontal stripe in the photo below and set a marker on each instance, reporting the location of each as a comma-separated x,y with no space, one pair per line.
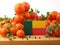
38,24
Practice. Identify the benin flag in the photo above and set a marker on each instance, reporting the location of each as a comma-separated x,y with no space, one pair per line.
35,27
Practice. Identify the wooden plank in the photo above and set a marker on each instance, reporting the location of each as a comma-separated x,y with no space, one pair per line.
28,27
38,24
31,41
38,31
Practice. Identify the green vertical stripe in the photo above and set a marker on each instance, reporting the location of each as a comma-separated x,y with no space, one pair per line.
28,27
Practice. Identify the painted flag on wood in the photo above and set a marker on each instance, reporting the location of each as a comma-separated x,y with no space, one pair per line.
35,27
38,27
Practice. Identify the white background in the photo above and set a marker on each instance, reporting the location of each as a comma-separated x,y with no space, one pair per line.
7,6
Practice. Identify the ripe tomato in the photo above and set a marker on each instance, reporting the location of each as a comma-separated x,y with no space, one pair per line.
3,31
13,30
53,14
27,6
27,15
38,17
48,22
6,24
57,33
58,17
18,19
53,22
49,18
33,15
13,23
19,26
11,20
20,33
1,25
59,25
19,8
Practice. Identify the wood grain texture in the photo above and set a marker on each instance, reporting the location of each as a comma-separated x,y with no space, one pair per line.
33,40
38,24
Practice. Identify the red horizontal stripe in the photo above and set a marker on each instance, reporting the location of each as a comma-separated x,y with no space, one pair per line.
39,31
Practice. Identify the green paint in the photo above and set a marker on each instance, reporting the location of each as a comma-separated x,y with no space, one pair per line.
28,27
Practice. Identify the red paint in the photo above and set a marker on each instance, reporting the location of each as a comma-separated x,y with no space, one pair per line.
39,31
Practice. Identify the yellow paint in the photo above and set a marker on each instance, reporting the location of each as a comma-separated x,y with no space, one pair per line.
38,24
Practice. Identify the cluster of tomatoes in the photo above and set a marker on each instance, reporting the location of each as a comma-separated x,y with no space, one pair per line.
23,13
22,10
16,29
53,17
53,23
15,26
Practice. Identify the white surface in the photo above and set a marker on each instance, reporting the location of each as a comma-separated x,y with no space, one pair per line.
7,6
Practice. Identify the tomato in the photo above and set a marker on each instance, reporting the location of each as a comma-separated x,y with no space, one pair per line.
13,23
59,25
53,21
58,17
53,15
11,20
33,15
3,31
18,19
49,18
27,15
19,26
6,25
1,25
57,33
13,30
20,33
19,8
52,24
38,17
48,22
27,6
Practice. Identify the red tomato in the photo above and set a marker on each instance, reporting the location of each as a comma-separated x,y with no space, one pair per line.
53,15
53,22
6,25
19,26
13,30
27,6
58,17
38,17
19,8
59,25
27,15
57,33
11,20
3,31
20,33
33,15
1,25
18,19
48,22
49,18
13,23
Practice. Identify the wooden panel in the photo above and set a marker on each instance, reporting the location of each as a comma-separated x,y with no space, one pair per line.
31,41
39,31
28,27
38,24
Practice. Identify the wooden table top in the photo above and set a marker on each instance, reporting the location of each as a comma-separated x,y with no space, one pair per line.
31,40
